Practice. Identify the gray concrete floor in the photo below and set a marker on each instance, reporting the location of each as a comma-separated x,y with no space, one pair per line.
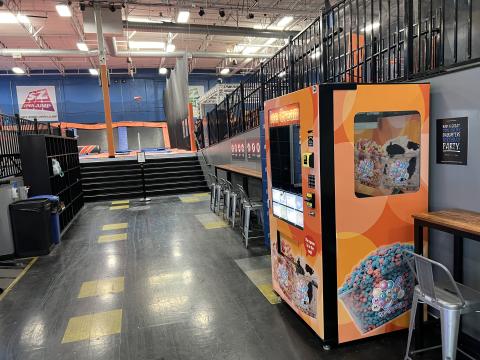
184,296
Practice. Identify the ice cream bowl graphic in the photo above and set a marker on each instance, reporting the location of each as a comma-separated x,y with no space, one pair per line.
375,298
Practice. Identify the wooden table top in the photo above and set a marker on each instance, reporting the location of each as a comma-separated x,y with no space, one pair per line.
462,220
240,170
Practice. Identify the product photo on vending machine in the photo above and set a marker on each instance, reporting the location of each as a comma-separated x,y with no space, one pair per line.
347,168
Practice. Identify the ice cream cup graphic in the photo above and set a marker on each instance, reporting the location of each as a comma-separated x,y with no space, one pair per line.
379,289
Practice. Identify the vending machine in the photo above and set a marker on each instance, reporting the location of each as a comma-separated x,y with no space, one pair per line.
347,166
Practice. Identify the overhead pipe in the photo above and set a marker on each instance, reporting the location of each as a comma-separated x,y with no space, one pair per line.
207,29
46,52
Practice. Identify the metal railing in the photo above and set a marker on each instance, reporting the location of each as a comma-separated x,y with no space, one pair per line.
11,127
363,41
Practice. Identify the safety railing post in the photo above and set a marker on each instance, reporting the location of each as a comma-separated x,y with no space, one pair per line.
408,39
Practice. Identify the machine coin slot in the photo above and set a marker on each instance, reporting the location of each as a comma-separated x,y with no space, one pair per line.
310,200
307,160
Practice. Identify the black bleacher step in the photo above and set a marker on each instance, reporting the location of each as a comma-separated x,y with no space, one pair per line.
110,183
115,176
200,182
173,178
115,166
138,194
173,173
172,165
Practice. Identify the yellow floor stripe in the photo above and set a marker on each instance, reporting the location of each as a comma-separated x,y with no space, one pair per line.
93,326
118,226
267,291
190,199
215,225
202,194
14,282
102,287
112,237
120,202
119,207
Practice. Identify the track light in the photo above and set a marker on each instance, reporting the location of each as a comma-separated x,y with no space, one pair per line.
250,16
82,6
221,12
112,7
201,12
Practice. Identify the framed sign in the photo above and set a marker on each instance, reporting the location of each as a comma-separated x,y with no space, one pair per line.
238,149
253,149
141,157
452,141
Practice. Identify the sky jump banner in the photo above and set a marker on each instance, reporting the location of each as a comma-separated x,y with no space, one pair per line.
37,102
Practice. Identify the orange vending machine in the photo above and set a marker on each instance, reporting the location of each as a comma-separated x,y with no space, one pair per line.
347,167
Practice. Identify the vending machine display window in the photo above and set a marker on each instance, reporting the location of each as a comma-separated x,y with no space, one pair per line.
287,201
387,153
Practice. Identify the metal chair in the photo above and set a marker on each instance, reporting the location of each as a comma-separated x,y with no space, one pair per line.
451,299
247,208
235,202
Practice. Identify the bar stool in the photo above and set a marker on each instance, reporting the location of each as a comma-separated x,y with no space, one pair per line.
214,187
235,201
227,193
451,299
219,195
247,208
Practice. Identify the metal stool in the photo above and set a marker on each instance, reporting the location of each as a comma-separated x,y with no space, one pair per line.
234,205
227,193
451,299
219,195
214,186
247,208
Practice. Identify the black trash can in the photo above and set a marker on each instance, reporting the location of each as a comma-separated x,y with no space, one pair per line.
31,227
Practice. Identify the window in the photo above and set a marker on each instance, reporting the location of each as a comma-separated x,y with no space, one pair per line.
285,161
387,153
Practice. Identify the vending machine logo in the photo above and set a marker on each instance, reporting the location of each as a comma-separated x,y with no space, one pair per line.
38,100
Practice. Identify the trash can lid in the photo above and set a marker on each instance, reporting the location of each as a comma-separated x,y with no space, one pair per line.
51,198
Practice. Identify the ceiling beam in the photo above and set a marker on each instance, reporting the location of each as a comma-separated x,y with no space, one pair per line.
207,30
14,7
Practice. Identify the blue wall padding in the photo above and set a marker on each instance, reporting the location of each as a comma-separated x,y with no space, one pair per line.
79,97
122,138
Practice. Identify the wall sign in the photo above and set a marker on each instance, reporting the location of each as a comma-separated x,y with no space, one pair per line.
285,115
452,141
238,150
253,149
37,102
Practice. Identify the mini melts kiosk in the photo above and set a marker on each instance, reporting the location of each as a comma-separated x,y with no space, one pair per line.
347,167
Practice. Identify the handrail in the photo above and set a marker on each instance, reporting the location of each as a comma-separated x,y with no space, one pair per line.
341,46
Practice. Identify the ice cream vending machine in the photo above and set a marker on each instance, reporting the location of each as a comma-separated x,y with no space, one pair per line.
347,166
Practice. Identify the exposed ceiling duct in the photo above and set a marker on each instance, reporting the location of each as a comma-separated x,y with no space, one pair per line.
129,53
206,29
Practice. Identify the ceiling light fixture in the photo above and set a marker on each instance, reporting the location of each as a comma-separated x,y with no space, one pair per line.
285,21
23,19
282,74
201,12
18,70
221,12
250,16
183,16
82,6
170,48
7,18
163,71
93,72
146,45
82,46
63,10
112,7
225,71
